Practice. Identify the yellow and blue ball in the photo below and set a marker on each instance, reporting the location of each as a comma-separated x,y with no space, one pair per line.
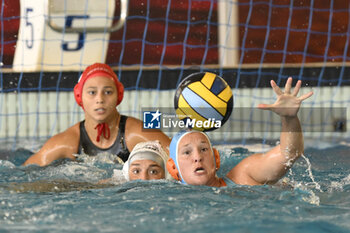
204,101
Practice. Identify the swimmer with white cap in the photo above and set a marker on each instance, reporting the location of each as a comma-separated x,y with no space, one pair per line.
193,160
146,162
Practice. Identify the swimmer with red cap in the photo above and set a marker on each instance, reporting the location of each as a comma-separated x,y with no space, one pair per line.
104,129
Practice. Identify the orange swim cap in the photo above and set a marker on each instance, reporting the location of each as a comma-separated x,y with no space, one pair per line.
97,69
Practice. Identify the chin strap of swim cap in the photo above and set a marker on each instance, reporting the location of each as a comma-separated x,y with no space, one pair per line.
217,158
172,169
102,129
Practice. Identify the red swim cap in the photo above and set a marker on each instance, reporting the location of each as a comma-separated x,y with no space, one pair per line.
97,69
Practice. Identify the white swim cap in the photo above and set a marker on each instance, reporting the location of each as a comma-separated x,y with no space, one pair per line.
151,150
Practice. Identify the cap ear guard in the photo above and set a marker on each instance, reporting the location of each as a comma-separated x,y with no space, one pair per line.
120,90
171,167
217,158
77,95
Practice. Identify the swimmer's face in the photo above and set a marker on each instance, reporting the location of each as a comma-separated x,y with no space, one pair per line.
145,170
196,159
99,97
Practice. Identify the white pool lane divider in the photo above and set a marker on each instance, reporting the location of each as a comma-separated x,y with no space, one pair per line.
59,35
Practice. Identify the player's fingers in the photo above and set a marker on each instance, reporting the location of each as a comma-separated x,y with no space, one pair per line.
305,96
275,88
288,85
265,106
297,88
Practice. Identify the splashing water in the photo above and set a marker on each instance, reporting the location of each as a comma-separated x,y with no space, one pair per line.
65,196
309,171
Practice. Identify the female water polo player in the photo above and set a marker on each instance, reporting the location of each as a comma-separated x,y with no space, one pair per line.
147,161
194,161
98,92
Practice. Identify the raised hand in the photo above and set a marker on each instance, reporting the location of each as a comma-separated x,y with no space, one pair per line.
287,103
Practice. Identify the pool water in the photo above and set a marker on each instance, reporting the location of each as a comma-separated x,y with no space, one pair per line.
65,197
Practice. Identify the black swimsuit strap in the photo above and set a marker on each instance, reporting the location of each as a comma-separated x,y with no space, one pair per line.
123,150
118,148
122,124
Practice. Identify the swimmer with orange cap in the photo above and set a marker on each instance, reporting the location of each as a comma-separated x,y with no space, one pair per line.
104,129
194,161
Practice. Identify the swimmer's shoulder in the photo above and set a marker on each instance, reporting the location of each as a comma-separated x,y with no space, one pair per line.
133,125
72,133
135,133
132,132
69,138
133,128
131,121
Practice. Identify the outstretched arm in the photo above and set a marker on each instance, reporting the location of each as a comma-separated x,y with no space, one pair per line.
271,166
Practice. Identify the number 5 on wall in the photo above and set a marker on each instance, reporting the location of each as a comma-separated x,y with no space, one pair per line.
55,35
81,35
29,25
